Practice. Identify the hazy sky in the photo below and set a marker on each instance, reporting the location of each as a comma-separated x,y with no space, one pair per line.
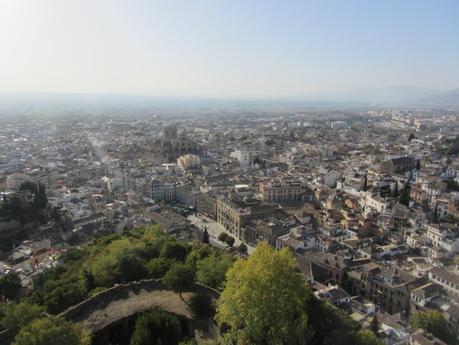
229,48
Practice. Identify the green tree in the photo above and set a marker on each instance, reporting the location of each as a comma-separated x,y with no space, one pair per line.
156,328
323,318
10,284
179,278
174,250
16,208
39,281
385,192
366,337
158,267
108,263
405,195
264,300
16,316
229,241
132,268
89,280
340,337
40,200
435,214
452,185
205,236
222,237
374,326
52,330
453,147
433,322
188,342
28,185
346,283
242,248
211,271
61,294
73,254
201,306
198,252
365,183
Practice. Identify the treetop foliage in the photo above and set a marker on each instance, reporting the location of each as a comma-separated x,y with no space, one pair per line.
156,328
263,301
52,330
433,322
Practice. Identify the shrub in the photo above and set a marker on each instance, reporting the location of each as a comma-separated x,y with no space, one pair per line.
179,278
172,250
157,268
230,241
223,236
156,328
201,306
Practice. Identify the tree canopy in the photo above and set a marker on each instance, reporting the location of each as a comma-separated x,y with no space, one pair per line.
174,250
205,236
156,328
10,284
179,278
433,322
367,337
15,316
242,248
211,270
263,301
229,241
52,330
158,267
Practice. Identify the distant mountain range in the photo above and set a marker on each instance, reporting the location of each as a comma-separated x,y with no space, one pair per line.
50,102
394,94
397,95
443,99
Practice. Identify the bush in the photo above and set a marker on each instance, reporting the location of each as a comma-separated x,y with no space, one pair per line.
201,306
179,278
10,285
61,294
132,268
15,316
198,252
156,328
242,248
157,268
434,322
223,236
173,250
188,342
230,241
52,330
211,271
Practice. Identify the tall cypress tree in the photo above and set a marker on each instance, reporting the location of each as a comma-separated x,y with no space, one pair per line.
374,326
405,196
365,183
435,215
40,199
205,236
